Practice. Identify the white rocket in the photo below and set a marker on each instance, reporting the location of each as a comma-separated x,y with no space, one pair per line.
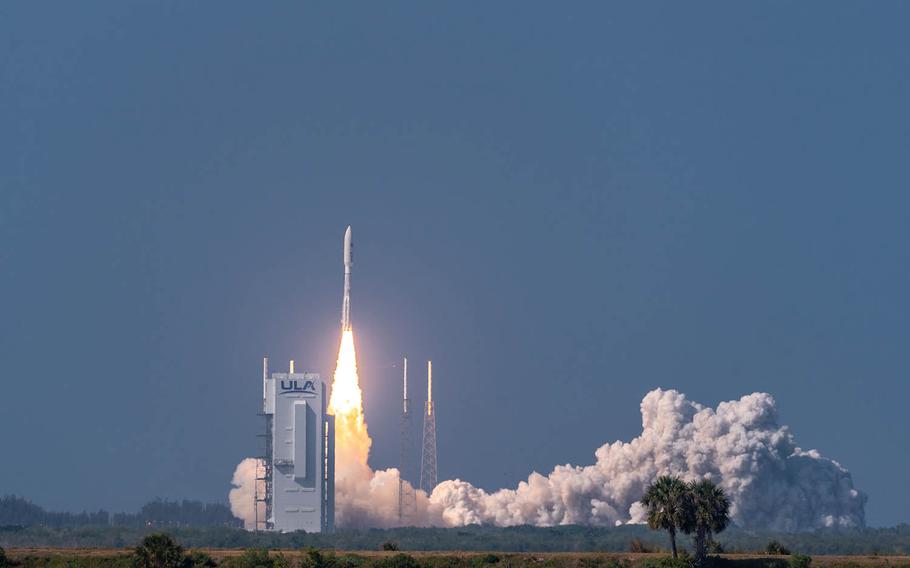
348,263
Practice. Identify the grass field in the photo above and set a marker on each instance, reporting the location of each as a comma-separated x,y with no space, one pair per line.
116,558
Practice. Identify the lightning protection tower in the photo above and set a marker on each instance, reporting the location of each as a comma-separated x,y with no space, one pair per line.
428,456
406,497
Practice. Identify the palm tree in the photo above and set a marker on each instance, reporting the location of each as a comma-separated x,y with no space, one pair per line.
710,514
159,551
669,506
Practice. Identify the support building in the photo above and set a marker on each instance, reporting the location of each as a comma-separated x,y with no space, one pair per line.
299,472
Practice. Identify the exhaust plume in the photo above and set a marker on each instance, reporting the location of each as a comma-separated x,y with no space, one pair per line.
242,496
363,498
771,482
740,445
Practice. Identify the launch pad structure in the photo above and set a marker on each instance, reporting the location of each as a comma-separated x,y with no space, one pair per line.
428,479
264,464
298,470
407,499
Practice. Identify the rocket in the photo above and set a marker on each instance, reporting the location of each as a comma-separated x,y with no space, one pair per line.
348,263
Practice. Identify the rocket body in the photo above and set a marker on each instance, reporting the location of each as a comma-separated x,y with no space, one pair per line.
348,263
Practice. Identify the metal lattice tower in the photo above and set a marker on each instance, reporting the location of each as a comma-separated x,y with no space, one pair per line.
428,477
264,469
407,499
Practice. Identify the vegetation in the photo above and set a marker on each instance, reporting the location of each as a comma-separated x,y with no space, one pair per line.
159,551
398,561
16,511
774,547
3,561
259,558
882,541
314,558
669,507
199,559
710,511
714,547
699,507
165,552
680,561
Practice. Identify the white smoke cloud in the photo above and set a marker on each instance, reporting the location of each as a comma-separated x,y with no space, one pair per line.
370,500
770,481
364,499
242,496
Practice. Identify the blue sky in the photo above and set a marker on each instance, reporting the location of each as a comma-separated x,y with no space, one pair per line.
563,206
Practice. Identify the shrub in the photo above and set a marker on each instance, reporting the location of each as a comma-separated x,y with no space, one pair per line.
714,547
257,558
390,545
349,561
199,559
800,561
487,559
398,561
315,558
775,547
684,561
637,546
4,561
159,551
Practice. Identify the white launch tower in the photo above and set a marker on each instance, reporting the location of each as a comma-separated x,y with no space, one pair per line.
299,475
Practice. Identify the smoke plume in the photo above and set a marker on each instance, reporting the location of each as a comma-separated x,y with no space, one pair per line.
242,496
740,445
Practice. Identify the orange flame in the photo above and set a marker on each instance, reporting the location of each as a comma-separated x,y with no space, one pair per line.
363,498
352,441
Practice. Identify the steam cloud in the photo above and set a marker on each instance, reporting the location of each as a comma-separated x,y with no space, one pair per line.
243,493
740,445
770,481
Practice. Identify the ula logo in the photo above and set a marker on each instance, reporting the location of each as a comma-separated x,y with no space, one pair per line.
298,387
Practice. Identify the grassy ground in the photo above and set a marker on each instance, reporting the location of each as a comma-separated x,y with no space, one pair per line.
121,558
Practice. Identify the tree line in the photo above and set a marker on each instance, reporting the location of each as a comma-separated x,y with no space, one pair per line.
17,511
626,538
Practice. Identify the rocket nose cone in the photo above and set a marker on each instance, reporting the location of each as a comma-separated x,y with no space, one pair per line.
347,246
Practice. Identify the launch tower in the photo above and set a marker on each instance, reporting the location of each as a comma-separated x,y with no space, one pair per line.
428,478
406,497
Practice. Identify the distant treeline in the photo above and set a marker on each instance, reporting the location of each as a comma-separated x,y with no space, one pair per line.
17,511
882,541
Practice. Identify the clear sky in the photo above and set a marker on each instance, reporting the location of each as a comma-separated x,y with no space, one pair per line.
571,204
